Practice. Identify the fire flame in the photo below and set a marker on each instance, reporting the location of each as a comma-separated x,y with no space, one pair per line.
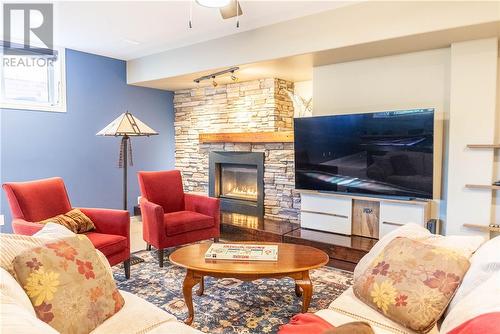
243,191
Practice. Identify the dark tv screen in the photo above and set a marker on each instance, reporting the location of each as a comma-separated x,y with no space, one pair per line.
381,154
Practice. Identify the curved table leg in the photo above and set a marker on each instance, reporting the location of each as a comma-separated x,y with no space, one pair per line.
298,292
304,283
201,287
187,289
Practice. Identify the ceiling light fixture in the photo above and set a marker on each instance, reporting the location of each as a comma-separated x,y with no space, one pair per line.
233,77
212,76
131,41
227,9
213,3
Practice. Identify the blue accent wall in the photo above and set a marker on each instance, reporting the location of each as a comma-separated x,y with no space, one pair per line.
37,144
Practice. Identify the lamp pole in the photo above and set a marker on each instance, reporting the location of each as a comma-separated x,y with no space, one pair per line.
125,140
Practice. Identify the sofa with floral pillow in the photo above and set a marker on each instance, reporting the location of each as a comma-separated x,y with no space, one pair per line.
22,310
470,300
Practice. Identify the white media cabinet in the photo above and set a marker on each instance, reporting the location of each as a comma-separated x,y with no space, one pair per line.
334,212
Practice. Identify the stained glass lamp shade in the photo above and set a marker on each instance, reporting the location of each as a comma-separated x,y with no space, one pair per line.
126,125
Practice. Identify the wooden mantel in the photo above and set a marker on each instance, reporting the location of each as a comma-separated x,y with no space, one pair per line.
247,137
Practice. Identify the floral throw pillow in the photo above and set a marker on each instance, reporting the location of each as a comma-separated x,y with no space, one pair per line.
411,282
68,284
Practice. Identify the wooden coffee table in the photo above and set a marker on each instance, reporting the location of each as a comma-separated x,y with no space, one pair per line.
294,261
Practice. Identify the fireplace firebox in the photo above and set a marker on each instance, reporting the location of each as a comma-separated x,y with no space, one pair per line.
237,178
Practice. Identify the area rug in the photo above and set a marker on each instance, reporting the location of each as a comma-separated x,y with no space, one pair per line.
229,305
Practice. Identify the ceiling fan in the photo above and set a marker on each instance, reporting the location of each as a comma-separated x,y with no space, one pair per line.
227,8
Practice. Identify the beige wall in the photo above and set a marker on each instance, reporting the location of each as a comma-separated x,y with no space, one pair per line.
496,198
419,79
423,79
413,80
473,81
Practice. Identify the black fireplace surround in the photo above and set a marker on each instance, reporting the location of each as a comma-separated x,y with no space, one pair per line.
237,178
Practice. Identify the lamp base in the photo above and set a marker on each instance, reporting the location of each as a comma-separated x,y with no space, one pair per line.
135,260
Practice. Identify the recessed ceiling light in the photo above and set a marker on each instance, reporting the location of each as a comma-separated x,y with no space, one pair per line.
131,41
213,3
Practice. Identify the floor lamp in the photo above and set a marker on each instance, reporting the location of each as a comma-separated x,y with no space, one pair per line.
126,126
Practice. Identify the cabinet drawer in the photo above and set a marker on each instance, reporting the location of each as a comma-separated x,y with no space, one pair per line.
326,204
394,215
325,222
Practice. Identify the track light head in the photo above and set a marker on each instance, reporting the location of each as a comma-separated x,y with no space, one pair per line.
233,77
213,76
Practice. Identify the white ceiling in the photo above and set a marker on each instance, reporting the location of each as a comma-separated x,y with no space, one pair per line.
127,30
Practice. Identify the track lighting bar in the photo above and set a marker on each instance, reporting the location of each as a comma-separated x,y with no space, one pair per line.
212,76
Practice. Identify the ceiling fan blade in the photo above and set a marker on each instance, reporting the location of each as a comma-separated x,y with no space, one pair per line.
229,11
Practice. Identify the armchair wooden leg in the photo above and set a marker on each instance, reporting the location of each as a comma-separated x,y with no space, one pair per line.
148,247
216,239
160,257
126,266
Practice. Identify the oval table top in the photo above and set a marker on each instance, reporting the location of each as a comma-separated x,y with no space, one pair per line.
292,258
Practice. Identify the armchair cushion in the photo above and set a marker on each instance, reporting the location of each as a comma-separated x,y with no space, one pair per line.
186,221
108,244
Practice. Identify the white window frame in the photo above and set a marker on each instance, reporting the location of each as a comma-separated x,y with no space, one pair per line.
34,106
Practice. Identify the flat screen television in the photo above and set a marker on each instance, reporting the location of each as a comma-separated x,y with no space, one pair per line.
388,154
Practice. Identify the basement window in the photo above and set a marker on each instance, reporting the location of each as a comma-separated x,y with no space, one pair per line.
33,81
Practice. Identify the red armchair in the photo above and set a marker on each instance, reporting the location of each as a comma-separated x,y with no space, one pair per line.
172,218
38,200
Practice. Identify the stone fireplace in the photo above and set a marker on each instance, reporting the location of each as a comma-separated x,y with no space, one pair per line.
245,107
237,178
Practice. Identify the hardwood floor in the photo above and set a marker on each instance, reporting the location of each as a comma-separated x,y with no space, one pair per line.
344,251
239,227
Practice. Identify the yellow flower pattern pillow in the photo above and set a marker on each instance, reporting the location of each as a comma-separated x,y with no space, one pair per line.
68,284
411,282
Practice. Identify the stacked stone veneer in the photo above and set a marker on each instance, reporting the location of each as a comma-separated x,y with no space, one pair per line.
259,105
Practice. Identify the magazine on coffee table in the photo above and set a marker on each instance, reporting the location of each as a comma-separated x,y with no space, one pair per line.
244,252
